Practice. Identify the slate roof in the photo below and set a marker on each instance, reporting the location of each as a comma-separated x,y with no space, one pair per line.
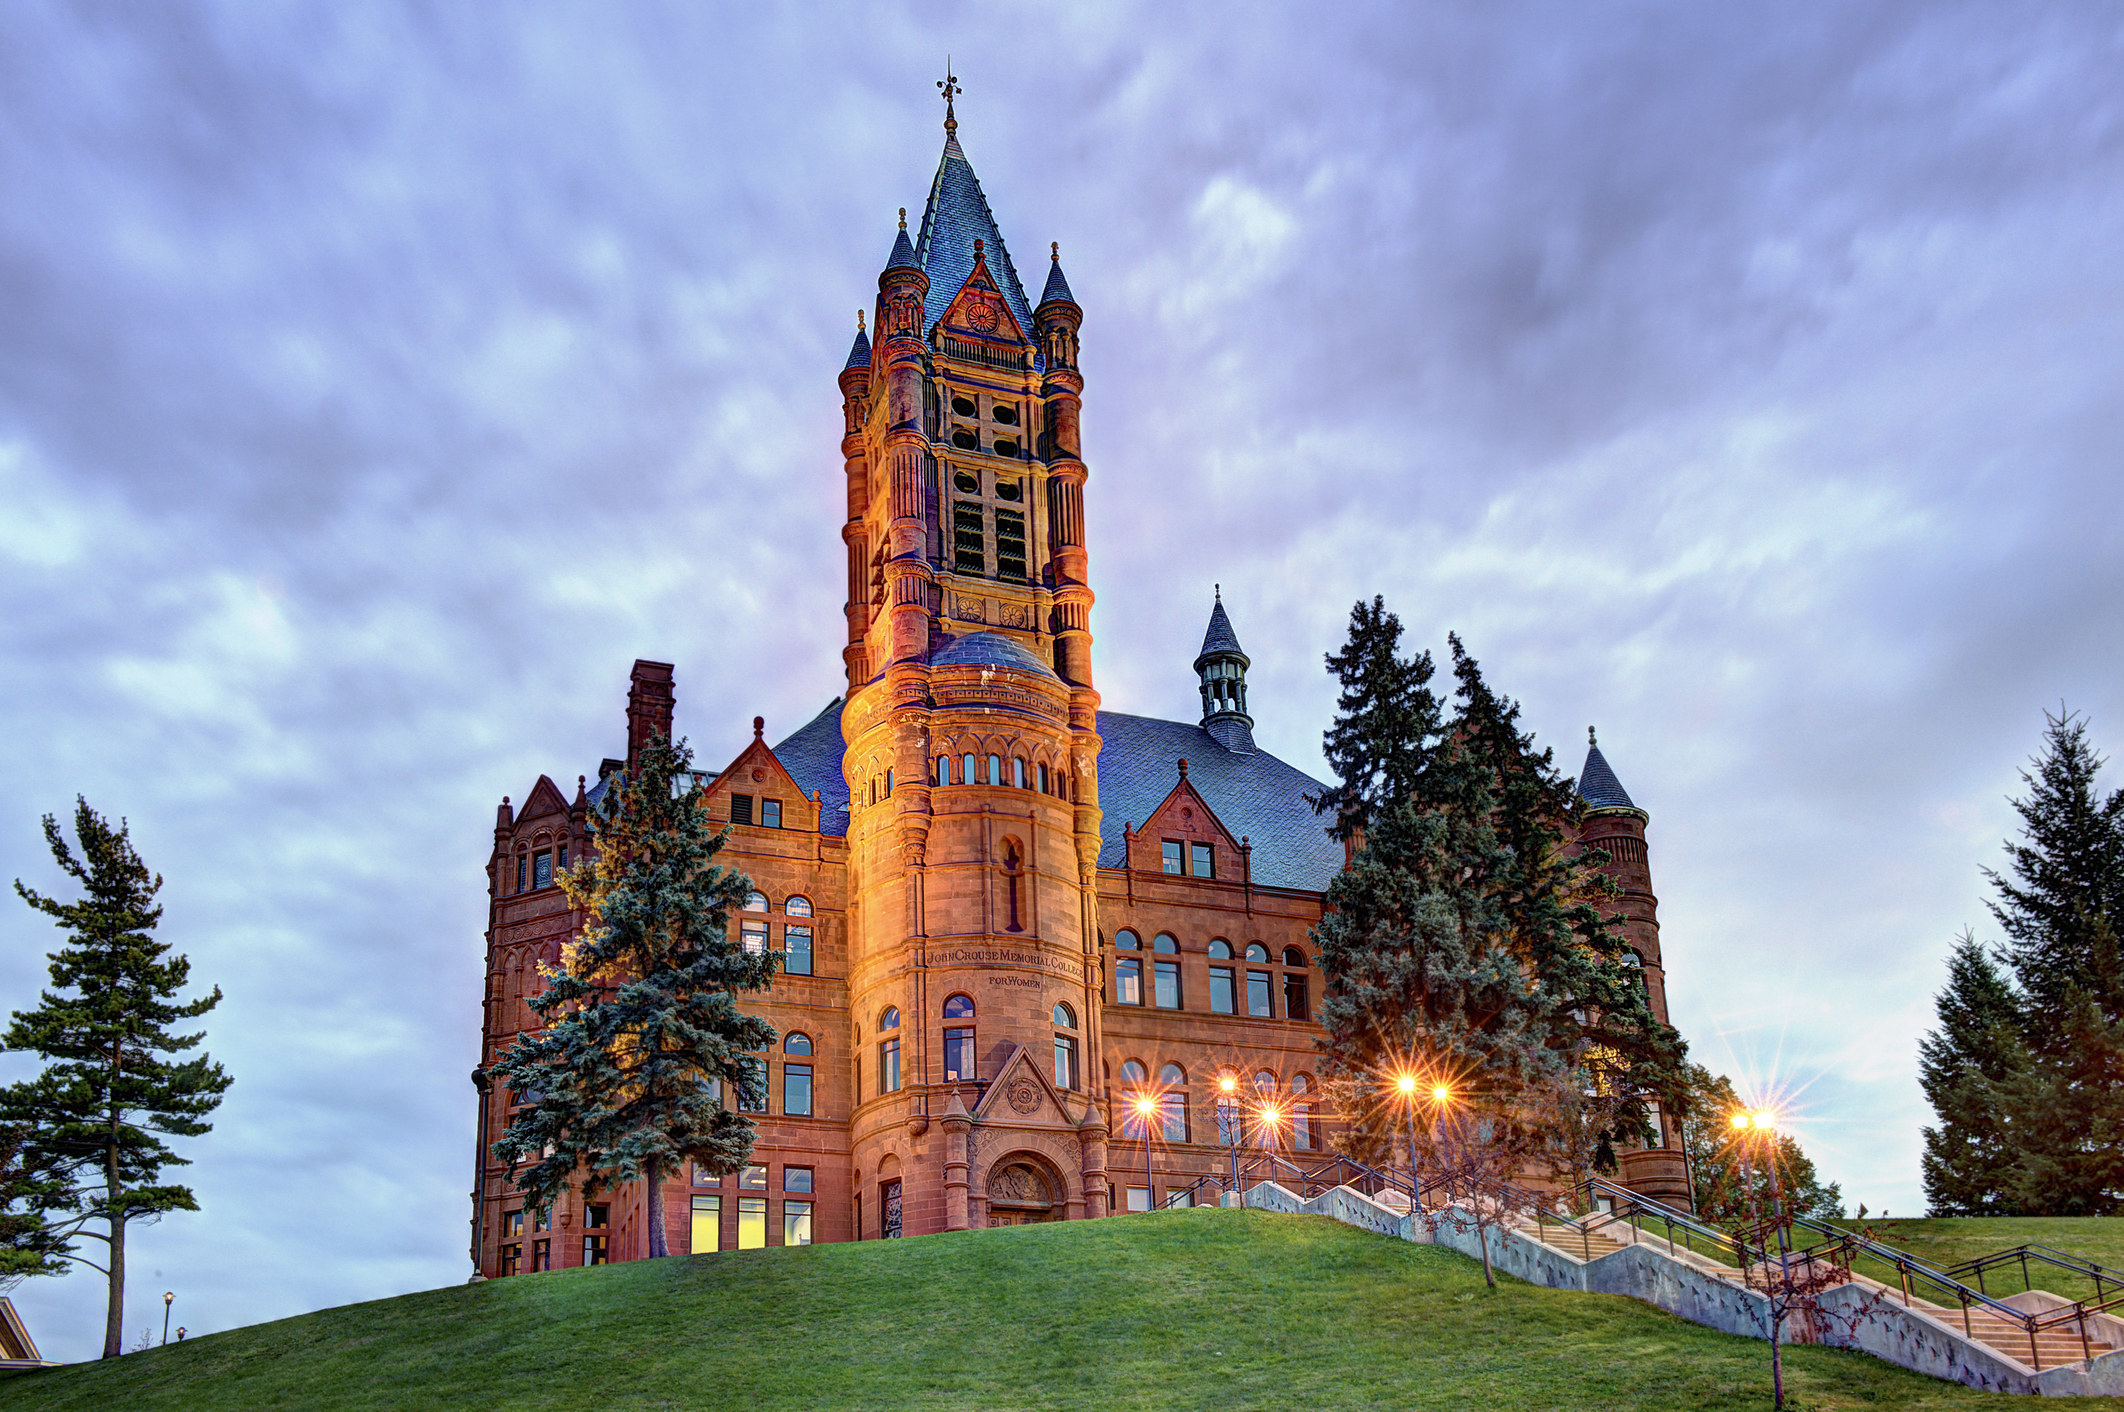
956,216
903,254
1220,637
859,353
813,758
1598,786
1256,796
989,649
1057,286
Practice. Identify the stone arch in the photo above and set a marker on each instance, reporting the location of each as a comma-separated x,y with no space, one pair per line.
1025,1185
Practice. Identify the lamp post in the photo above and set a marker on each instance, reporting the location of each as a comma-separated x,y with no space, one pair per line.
1145,1107
1228,1119
169,1297
1441,1099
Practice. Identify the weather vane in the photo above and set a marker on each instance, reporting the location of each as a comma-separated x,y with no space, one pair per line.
949,87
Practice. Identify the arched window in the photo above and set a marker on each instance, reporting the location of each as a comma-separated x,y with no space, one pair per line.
1043,780
797,1044
1065,1048
889,1051
1292,956
890,1020
1017,772
888,784
1165,944
1301,1113
1255,951
943,775
1133,1072
755,902
1125,940
1128,975
797,906
959,1007
958,1040
1172,1102
1065,1017
1165,975
1228,1122
1265,1084
995,769
1269,1125
1220,950
966,770
1135,1123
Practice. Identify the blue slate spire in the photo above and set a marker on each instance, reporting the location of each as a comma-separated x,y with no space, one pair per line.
1221,668
1597,784
903,251
859,354
958,215
1057,286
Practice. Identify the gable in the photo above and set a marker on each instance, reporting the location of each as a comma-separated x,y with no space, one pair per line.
980,310
758,774
1022,1093
1187,818
545,799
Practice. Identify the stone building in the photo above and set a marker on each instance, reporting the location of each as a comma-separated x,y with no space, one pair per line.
1008,917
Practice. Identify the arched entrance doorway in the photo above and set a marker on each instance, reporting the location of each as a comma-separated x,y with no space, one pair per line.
1020,1194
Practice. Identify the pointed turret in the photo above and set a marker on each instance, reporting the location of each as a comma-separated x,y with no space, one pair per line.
1221,667
1597,784
859,351
903,251
1057,290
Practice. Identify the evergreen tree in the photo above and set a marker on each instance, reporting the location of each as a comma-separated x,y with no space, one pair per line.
2061,900
1965,1067
90,1125
1386,721
29,1194
641,1026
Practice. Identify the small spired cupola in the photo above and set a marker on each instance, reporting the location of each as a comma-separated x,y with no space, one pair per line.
1598,786
1222,669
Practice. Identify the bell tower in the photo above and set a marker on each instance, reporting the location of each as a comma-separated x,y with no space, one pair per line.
970,730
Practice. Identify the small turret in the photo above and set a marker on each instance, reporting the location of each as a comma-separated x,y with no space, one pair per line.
1222,670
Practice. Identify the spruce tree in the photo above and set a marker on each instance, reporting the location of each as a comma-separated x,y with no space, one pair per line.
89,1126
1967,1067
1386,721
641,1029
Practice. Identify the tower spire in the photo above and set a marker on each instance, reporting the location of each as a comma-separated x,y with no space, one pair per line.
1221,668
949,86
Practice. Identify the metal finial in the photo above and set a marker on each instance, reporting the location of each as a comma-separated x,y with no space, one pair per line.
1218,589
903,218
859,321
949,87
1591,739
979,245
1054,251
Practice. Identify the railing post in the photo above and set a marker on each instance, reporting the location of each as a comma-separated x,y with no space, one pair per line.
2085,1351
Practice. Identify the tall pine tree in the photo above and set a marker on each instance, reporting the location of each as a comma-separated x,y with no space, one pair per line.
641,1028
89,1126
1963,1066
1386,721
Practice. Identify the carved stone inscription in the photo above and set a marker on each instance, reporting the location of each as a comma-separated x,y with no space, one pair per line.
1004,956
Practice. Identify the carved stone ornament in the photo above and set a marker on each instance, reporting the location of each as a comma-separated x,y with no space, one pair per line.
1023,1094
971,610
1018,1185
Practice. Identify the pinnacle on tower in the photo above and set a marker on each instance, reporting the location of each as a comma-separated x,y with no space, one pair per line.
1221,667
1057,287
957,215
903,251
1597,784
859,353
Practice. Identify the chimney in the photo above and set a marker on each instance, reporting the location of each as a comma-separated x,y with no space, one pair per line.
648,707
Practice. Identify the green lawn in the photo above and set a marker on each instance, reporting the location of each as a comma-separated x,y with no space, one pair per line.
1181,1309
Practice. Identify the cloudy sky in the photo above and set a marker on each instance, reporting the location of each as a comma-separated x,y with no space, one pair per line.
377,382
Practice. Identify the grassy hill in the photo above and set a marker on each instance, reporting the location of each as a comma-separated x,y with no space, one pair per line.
1180,1309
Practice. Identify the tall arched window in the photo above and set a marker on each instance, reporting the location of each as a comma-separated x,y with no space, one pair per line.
1267,1129
1172,1102
966,771
796,1076
995,769
888,784
1292,956
959,1039
1301,1113
943,775
755,902
797,906
1043,780
1165,975
1135,1080
1017,771
1065,1048
1128,969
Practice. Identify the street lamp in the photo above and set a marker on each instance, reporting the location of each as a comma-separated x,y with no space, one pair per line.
1228,1119
168,1297
1406,1086
1145,1107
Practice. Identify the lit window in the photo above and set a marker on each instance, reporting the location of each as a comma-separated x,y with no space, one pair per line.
740,808
512,1259
1224,997
958,1054
1172,856
542,868
1128,981
1202,865
542,1255
796,1090
796,950
1168,982
796,1223
752,1223
1139,1198
959,1007
754,937
771,813
707,1224
1257,995
512,1224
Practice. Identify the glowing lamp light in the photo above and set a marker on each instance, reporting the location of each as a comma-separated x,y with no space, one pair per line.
1765,1119
1740,1121
1407,1084
1146,1106
1441,1094
1227,1083
1271,1114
